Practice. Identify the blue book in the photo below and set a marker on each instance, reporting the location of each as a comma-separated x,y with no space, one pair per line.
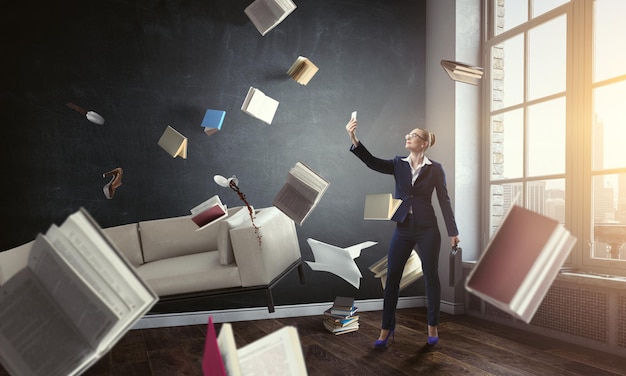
212,121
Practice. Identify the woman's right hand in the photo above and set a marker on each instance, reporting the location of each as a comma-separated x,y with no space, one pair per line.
351,129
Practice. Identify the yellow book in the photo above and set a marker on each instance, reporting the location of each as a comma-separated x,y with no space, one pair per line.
174,143
380,206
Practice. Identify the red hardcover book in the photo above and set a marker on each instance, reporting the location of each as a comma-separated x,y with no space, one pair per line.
208,212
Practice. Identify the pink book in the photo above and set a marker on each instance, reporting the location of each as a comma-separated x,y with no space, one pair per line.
520,262
212,364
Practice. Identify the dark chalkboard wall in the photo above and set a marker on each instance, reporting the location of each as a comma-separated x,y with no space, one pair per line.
144,65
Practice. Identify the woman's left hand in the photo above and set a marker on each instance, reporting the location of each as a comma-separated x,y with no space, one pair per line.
455,240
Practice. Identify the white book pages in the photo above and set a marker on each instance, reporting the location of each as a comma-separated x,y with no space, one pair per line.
121,276
259,105
79,297
282,347
228,350
267,14
337,260
36,337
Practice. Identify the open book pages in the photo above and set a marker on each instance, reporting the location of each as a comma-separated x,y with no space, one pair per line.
282,347
412,270
267,14
301,193
208,212
77,296
462,72
338,261
520,262
380,206
228,350
259,105
173,142
302,70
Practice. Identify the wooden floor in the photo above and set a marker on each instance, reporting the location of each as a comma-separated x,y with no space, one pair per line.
467,346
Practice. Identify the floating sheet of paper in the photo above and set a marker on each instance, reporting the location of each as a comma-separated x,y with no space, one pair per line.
337,260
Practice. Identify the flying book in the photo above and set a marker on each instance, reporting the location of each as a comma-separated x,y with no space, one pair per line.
339,261
301,193
277,353
208,212
267,14
76,297
462,72
212,121
212,362
412,270
259,105
380,206
520,262
302,70
174,143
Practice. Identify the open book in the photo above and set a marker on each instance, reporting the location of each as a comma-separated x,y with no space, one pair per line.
412,270
278,353
259,105
339,261
174,143
301,193
462,72
267,14
302,70
77,296
212,121
380,206
520,262
208,212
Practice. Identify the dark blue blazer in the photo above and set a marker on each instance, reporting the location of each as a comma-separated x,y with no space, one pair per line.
418,195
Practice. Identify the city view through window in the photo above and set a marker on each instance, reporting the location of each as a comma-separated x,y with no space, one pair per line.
557,118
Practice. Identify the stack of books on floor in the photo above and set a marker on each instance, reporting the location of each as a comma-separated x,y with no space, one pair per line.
341,318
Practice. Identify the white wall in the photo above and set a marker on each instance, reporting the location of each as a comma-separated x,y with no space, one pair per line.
453,32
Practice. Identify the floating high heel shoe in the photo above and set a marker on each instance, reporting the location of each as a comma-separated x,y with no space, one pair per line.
383,343
116,181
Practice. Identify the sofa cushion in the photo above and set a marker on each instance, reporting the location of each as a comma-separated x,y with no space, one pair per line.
259,265
236,216
126,239
177,236
13,260
190,273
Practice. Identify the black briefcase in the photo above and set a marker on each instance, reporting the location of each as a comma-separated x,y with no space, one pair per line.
456,265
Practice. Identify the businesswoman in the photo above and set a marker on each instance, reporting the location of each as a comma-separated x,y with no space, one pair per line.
416,177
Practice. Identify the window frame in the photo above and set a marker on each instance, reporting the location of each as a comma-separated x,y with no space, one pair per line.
578,96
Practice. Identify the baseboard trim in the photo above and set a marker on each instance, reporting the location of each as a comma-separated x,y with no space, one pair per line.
452,308
261,313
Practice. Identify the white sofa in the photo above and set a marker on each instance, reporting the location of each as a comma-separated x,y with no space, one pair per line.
178,262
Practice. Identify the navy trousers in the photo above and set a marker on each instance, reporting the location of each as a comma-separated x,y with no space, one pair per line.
405,237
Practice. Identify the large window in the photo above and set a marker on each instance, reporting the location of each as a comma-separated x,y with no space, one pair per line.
556,80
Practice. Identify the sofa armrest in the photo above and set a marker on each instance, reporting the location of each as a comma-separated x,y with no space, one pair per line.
258,263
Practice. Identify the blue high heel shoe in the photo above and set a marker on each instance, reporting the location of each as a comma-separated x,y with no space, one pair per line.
433,340
383,343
